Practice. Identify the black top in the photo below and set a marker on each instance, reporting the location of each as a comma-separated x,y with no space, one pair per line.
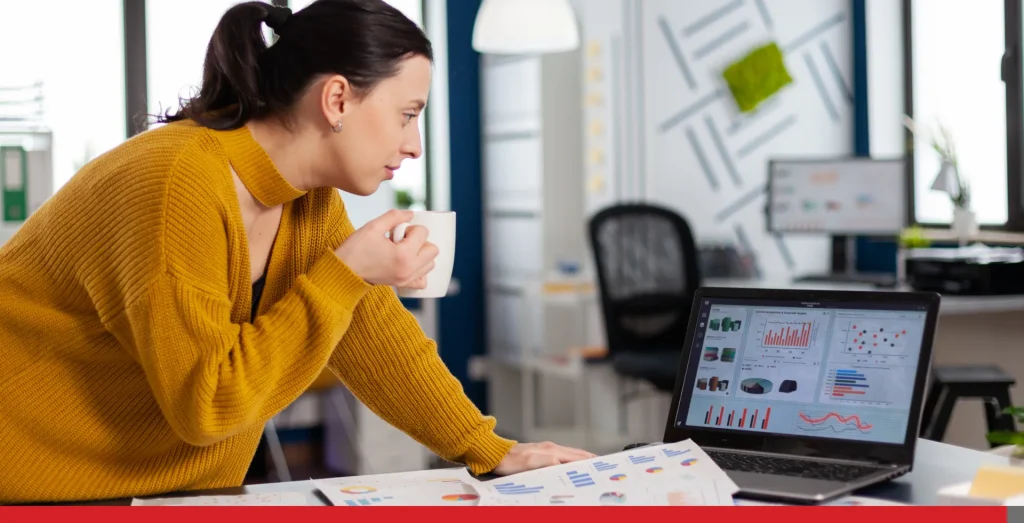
257,293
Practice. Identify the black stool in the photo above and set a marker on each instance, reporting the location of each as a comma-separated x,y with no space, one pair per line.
952,382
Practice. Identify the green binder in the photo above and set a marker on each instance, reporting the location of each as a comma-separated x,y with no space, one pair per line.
14,181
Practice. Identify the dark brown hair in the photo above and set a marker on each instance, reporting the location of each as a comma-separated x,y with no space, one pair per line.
243,79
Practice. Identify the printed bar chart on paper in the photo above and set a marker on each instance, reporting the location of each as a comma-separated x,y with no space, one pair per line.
602,466
580,479
516,489
640,460
365,502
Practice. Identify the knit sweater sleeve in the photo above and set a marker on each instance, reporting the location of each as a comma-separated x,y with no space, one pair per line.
212,375
390,365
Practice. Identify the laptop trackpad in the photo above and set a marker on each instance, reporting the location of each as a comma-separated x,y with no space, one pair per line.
786,487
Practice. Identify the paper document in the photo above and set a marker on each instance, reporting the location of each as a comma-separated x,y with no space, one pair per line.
672,474
289,499
443,487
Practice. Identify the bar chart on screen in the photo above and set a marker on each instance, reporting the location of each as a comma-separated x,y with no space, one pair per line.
878,386
753,418
783,335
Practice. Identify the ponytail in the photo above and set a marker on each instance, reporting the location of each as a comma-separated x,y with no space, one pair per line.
230,92
363,40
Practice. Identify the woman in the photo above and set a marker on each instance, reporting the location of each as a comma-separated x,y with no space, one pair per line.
188,285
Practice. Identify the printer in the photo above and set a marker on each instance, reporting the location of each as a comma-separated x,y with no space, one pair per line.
971,270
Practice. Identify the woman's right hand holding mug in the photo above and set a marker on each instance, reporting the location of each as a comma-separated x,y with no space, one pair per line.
381,261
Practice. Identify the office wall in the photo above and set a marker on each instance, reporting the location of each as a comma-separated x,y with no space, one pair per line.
662,126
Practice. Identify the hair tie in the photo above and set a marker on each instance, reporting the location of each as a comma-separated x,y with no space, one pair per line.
277,17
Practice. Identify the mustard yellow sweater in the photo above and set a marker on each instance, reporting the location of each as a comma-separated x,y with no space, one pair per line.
128,364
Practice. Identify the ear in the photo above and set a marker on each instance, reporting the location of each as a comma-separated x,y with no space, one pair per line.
336,98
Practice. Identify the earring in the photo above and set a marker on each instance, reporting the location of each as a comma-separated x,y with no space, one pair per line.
337,128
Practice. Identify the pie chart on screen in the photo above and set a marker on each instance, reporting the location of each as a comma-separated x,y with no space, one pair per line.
460,497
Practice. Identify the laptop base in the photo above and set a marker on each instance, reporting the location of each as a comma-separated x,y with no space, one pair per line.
802,491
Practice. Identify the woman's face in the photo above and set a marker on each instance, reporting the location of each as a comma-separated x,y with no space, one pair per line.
379,129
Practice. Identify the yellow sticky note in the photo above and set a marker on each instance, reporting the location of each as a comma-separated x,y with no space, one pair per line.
998,482
594,48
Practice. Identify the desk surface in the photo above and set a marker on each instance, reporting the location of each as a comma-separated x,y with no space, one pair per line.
936,465
951,304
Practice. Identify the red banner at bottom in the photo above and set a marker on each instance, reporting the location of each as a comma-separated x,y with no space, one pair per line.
171,514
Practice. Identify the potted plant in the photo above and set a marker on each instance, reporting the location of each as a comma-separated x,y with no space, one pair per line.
949,180
1012,441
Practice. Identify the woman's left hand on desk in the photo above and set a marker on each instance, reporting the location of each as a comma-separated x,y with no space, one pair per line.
530,456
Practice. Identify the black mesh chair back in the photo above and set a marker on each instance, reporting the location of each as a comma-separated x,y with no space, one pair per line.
648,270
647,273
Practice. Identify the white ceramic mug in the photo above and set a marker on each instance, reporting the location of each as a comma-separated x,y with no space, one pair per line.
440,228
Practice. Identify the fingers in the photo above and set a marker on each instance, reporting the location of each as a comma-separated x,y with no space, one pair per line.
568,455
415,237
419,278
390,220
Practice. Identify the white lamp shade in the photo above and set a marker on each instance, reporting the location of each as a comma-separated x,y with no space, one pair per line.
947,180
525,27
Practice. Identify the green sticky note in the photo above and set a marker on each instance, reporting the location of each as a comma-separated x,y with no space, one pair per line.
757,76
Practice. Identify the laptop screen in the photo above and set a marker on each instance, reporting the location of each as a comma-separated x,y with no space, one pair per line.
826,370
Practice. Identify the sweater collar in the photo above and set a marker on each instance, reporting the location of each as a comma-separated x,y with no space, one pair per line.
255,168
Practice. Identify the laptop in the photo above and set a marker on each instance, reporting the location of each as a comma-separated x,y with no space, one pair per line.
803,396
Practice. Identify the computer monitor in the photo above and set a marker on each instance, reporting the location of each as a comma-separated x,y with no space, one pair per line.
847,196
816,366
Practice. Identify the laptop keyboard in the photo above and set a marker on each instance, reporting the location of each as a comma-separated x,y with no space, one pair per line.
800,468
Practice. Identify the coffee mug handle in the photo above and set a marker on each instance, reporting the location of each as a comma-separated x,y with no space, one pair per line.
398,234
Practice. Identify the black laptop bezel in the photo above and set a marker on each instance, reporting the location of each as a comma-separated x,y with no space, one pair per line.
880,453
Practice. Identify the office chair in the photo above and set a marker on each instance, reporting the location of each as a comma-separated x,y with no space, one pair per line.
647,272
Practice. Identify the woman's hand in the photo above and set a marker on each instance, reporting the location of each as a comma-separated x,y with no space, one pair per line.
530,456
380,261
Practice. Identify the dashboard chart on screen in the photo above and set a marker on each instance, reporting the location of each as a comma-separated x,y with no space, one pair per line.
817,371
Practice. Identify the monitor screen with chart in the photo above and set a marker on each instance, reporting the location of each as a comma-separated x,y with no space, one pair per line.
831,370
845,196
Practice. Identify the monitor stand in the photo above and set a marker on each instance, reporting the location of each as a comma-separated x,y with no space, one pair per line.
850,275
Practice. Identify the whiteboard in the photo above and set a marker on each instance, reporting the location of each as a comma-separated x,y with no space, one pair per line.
845,196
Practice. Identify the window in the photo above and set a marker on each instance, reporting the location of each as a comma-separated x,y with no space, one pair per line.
177,34
956,82
76,58
410,182
955,56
